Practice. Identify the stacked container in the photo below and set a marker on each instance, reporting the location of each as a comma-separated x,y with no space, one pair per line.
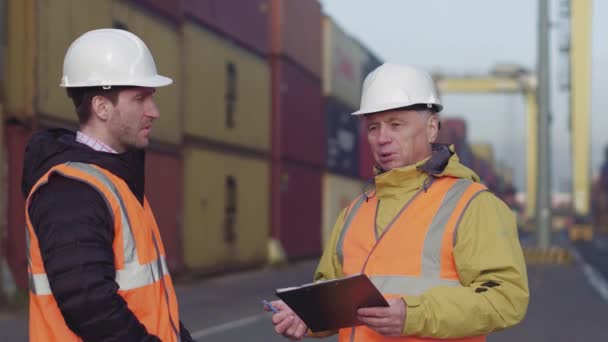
226,134
454,131
297,152
15,138
345,64
366,160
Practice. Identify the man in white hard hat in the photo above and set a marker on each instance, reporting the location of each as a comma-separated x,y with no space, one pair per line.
442,249
96,263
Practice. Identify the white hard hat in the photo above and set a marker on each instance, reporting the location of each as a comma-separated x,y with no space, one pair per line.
393,86
110,57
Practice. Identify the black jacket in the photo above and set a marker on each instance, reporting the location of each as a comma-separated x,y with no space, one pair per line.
75,232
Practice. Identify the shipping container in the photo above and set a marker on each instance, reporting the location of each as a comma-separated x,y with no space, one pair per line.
342,139
61,23
299,210
226,210
171,10
300,113
484,151
16,138
366,158
371,62
202,11
20,54
457,125
343,61
295,31
245,22
164,190
338,193
163,39
226,91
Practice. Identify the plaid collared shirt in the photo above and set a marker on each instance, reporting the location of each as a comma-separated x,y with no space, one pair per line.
93,143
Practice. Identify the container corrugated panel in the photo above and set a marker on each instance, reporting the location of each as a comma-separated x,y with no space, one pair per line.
342,138
20,58
244,21
163,39
201,10
301,113
299,228
296,33
164,190
338,192
226,210
343,60
16,138
60,23
366,159
169,9
226,91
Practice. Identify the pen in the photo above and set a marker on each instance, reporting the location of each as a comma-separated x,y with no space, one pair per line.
270,306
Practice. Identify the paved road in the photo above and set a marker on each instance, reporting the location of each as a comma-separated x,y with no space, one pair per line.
564,307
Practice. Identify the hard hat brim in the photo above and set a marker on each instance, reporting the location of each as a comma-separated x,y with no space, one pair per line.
391,106
151,82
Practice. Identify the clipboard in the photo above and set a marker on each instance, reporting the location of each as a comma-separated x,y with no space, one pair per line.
332,304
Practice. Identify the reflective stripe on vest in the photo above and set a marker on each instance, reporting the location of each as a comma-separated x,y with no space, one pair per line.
134,275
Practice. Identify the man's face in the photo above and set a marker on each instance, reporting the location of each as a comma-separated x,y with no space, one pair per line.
400,137
130,122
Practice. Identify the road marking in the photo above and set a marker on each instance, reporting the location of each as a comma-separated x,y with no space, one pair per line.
596,280
229,325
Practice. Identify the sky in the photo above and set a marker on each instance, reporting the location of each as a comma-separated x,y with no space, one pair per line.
470,37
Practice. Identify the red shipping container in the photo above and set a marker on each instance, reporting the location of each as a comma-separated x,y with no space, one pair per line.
298,209
366,159
16,138
296,32
297,114
243,21
169,9
457,126
164,192
201,10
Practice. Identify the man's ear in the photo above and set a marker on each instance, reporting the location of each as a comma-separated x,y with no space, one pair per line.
432,128
100,107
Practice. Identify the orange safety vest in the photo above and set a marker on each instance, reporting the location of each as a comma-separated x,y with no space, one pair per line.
414,253
139,256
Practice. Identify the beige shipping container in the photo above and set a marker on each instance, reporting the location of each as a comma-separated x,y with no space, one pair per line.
59,23
227,91
226,210
338,192
484,151
343,64
163,39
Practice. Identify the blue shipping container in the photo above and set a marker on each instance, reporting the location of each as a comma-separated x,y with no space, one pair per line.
342,138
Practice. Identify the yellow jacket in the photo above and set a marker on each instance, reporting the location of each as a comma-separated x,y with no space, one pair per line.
487,249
